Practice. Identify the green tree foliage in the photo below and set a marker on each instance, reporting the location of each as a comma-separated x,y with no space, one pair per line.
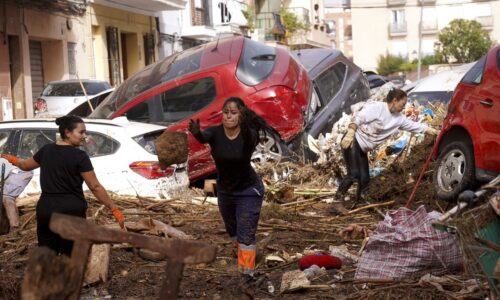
292,23
463,40
388,64
249,14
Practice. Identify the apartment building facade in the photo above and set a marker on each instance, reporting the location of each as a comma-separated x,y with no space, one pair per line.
46,40
199,22
270,29
393,25
341,34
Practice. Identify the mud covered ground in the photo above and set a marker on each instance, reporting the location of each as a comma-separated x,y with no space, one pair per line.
285,229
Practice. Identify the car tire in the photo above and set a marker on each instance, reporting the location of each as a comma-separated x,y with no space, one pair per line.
270,149
455,170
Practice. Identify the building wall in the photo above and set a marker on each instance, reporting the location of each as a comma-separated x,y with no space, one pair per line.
132,24
53,32
370,27
317,35
342,35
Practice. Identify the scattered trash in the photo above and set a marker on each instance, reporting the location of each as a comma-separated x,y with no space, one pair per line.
320,259
343,254
314,271
270,287
293,281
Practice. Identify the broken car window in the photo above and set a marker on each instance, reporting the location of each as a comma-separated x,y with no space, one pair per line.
330,82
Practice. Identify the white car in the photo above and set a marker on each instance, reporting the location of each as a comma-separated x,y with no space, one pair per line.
438,87
60,97
123,154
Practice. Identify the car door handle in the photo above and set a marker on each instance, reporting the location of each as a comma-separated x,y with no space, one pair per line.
486,102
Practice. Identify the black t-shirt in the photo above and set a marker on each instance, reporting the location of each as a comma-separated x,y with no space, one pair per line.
234,171
60,168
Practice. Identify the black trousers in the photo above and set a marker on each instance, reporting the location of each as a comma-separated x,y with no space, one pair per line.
357,170
45,207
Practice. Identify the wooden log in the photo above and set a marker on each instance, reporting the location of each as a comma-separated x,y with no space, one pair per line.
370,206
98,264
186,251
49,276
4,221
79,258
172,281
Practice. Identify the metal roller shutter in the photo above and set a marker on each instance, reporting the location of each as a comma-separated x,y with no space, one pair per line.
36,69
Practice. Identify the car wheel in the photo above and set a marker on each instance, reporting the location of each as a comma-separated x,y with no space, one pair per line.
454,170
269,150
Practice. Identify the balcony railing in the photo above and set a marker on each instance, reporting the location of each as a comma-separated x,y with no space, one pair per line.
396,2
264,20
429,27
397,29
301,13
486,22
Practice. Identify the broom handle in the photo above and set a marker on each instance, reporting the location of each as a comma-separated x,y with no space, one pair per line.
421,174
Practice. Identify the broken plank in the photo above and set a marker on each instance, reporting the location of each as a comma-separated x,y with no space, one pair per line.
370,206
185,251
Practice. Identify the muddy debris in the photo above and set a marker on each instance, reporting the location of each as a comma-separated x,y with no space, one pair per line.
297,222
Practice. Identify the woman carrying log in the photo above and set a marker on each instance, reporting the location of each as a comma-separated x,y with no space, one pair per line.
371,126
239,189
63,168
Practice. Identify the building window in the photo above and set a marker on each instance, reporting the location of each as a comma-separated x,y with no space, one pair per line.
72,59
198,4
398,16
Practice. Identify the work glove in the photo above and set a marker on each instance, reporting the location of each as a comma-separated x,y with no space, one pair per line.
348,138
432,131
11,158
194,126
118,216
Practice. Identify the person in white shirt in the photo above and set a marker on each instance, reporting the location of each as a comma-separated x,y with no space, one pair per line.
15,180
371,126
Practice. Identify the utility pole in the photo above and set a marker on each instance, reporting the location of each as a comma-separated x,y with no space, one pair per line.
420,27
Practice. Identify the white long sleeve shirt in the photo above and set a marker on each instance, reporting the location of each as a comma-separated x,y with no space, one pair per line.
376,123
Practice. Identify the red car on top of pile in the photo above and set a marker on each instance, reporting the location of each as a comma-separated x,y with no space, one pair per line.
194,84
469,142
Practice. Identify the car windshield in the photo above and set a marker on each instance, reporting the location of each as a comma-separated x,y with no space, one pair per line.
424,98
172,67
73,89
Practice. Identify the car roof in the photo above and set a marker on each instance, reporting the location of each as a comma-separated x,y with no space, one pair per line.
311,59
442,81
131,128
76,80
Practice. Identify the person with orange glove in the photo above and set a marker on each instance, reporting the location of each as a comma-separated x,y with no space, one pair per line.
63,169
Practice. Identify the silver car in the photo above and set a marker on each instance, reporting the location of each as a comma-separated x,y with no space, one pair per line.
60,97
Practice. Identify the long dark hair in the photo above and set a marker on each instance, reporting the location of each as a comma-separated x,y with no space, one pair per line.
69,123
252,126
